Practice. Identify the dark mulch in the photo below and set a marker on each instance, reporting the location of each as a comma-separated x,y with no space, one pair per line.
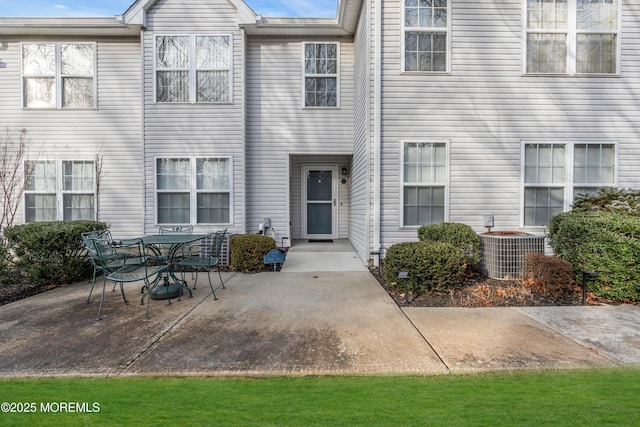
14,292
476,290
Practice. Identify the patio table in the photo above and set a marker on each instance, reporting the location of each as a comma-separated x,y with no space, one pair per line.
173,286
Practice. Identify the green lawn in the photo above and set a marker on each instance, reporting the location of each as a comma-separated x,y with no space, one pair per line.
556,398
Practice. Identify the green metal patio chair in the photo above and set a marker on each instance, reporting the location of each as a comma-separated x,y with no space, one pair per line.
208,257
111,259
134,271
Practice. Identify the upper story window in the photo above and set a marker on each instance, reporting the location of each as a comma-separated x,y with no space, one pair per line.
60,190
193,68
426,28
321,74
58,75
193,190
424,182
555,173
572,36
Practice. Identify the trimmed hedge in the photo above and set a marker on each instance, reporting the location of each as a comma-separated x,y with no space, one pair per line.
248,251
431,265
51,253
605,242
459,235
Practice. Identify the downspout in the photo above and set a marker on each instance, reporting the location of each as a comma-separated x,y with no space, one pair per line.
143,146
377,130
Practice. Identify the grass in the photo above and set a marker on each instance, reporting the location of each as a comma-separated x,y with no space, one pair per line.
554,398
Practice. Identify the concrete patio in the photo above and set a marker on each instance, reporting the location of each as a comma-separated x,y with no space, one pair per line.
323,314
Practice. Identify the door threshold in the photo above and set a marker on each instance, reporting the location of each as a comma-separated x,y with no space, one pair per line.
320,240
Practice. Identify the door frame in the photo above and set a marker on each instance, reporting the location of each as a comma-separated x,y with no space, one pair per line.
305,168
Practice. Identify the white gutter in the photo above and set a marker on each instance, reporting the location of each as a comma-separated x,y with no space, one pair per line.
377,130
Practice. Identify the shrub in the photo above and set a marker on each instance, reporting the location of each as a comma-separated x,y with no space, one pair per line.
604,242
248,251
460,236
51,253
4,262
431,265
548,275
620,200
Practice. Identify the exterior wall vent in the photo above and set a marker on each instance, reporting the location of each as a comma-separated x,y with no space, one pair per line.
503,252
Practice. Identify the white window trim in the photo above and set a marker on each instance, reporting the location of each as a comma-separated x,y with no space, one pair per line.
193,88
193,191
404,30
568,184
59,190
337,76
572,32
402,184
58,75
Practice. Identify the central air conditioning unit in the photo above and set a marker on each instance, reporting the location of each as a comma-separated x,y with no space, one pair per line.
503,252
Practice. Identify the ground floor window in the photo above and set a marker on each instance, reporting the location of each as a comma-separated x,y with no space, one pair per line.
424,182
193,190
555,173
58,190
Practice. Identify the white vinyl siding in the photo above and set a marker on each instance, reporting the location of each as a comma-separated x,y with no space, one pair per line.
202,129
280,132
58,190
193,68
555,173
572,36
425,36
58,75
193,190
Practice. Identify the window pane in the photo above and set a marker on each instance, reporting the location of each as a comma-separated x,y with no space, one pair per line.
213,52
547,14
213,208
78,176
212,174
544,163
173,174
213,86
172,52
594,164
541,204
40,92
597,15
39,59
425,162
423,205
321,92
78,207
41,176
425,51
76,59
546,53
596,53
40,207
172,86
173,208
77,92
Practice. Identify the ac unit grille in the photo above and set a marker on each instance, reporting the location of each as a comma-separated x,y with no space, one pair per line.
225,249
503,253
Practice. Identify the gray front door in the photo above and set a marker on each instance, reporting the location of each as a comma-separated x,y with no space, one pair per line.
319,201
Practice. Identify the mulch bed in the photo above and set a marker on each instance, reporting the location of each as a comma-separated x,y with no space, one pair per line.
476,290
15,292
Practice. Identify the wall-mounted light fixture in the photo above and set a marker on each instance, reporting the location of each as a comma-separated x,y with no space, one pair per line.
345,171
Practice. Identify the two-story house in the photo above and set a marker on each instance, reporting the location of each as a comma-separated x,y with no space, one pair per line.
393,114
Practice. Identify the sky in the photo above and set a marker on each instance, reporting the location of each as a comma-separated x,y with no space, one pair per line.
108,8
